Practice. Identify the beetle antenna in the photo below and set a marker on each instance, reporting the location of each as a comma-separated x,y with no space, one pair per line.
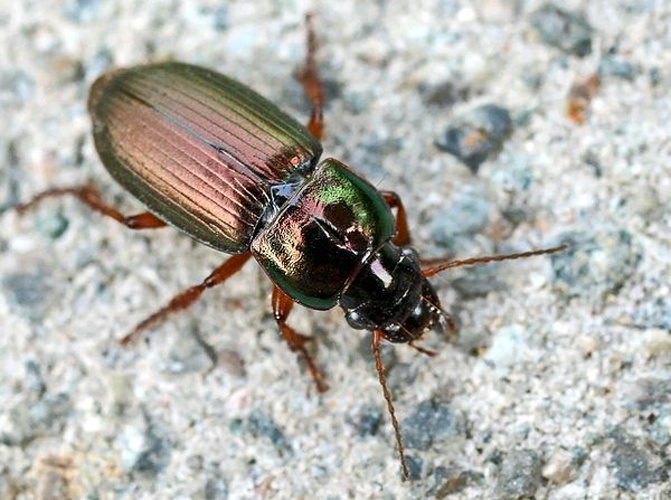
474,261
379,366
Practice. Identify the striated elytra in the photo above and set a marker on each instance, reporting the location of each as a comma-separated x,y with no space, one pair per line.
214,159
198,149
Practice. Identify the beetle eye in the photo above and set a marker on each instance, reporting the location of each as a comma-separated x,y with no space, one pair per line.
356,320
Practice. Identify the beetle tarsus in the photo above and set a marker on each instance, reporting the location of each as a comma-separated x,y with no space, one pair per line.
312,84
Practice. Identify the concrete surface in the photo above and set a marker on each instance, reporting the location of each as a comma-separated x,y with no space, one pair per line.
559,384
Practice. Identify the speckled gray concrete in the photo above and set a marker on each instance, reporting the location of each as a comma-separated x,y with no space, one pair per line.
568,395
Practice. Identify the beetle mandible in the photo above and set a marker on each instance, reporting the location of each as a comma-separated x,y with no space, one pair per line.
212,158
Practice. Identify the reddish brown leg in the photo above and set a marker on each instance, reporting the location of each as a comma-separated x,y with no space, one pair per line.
402,236
186,298
379,367
91,197
312,84
282,305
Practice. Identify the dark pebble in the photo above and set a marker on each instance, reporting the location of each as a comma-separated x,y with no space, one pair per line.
27,293
563,29
659,429
476,135
145,447
368,421
34,380
444,94
478,282
596,264
451,480
617,67
216,489
32,419
465,217
519,476
415,465
51,225
431,422
650,393
259,424
654,313
636,465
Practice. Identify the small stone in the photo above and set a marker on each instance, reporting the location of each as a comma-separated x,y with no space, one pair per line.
31,419
415,465
596,264
520,475
453,480
615,66
144,448
231,362
649,393
560,468
368,422
52,225
258,424
477,283
216,489
477,135
655,313
445,94
465,217
33,380
28,293
636,466
656,342
645,202
660,430
562,29
432,422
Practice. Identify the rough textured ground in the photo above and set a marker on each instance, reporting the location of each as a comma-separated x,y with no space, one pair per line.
559,385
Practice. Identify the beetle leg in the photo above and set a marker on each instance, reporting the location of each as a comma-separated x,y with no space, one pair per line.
186,298
91,197
312,84
282,305
402,236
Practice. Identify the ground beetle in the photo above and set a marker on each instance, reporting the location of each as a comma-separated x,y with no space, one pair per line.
212,158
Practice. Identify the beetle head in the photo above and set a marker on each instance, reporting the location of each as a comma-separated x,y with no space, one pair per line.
390,294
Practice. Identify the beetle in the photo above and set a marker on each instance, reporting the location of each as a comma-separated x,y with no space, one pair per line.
212,158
